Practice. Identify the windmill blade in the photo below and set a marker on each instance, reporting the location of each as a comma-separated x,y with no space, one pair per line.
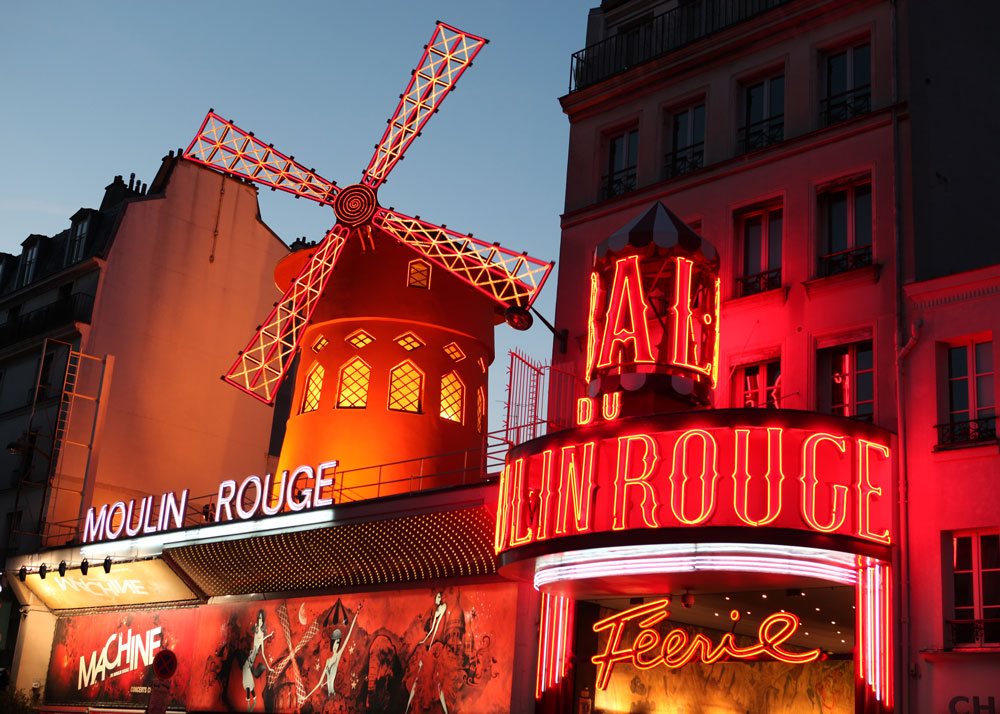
507,277
447,55
263,364
224,146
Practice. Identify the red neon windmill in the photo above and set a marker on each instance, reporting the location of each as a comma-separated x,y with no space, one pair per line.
507,277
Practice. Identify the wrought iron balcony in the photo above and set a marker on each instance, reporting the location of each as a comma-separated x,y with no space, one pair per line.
846,105
684,161
659,36
973,431
759,282
761,134
76,308
618,183
845,260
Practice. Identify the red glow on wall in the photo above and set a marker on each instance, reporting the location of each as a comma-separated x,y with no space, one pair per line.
677,648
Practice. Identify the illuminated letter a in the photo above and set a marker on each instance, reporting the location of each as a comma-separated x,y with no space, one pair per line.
626,317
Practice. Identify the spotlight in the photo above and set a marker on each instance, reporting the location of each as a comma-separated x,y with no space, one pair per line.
687,600
517,317
107,564
62,568
84,566
42,570
22,574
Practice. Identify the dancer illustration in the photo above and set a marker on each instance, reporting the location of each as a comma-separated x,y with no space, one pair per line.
433,676
434,624
250,672
337,646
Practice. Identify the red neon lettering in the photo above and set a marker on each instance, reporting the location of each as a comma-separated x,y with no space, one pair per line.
810,482
595,290
626,305
624,480
679,477
677,648
866,490
520,531
503,511
576,489
772,480
611,406
682,340
584,411
545,497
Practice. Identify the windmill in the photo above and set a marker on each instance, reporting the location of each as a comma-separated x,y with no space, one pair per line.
360,339
509,278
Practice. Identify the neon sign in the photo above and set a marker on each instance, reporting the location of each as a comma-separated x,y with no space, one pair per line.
654,313
677,648
302,489
737,467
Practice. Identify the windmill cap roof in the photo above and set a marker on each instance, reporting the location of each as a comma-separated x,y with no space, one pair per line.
659,225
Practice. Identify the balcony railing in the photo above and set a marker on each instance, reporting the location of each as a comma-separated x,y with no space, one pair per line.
761,134
759,283
684,161
661,35
76,308
618,183
973,431
845,260
846,105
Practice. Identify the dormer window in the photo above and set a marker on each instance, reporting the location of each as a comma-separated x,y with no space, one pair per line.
29,259
77,240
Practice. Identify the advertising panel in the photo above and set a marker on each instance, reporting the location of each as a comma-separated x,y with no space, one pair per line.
139,583
437,648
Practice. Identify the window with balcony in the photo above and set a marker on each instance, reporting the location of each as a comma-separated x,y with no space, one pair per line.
758,385
687,141
975,560
763,113
971,404
623,154
846,376
759,235
847,84
846,228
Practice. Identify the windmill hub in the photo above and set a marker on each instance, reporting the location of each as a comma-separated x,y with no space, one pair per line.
355,205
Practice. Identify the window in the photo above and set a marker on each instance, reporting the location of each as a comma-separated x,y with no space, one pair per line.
758,385
687,142
77,241
355,376
452,398
454,351
480,409
409,342
847,82
760,247
846,241
847,381
359,339
976,581
314,387
971,405
763,114
418,274
623,153
29,259
406,384
319,344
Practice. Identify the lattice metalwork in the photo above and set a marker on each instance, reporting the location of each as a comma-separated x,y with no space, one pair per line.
355,377
418,274
313,390
359,339
406,383
409,342
454,351
320,343
452,398
507,277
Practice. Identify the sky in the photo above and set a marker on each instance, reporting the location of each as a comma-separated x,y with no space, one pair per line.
89,90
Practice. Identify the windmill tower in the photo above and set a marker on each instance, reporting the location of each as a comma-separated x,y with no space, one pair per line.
392,316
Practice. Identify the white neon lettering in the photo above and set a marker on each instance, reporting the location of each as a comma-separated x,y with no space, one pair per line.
241,494
322,482
94,526
227,489
306,502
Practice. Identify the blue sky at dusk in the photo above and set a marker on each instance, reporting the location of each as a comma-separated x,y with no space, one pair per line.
91,90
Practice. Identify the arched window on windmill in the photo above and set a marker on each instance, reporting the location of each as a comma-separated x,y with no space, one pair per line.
418,274
352,392
314,387
452,398
406,385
